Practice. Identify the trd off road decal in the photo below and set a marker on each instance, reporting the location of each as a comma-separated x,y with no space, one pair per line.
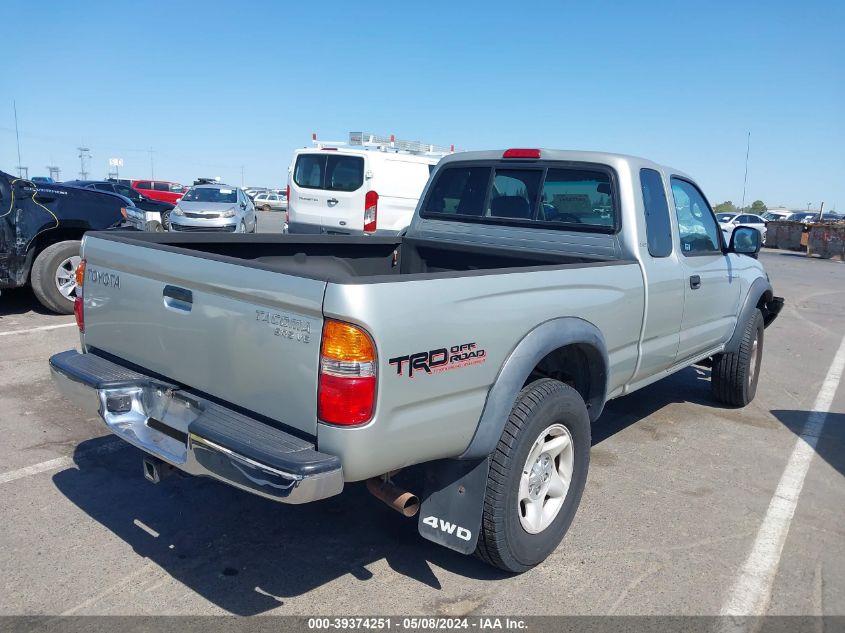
439,360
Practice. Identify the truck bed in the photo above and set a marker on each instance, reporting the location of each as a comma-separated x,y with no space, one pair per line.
340,259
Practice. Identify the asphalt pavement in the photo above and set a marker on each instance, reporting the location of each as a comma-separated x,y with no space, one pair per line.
678,491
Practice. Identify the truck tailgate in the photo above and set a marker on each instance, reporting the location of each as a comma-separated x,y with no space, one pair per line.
248,336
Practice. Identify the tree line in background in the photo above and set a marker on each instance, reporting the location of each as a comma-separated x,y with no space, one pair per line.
757,207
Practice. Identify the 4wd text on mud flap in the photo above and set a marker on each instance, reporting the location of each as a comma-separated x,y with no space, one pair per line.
449,528
440,360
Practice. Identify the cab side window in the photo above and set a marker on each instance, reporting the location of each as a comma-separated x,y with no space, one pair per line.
658,228
697,228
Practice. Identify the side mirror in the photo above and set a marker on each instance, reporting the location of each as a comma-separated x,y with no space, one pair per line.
243,205
745,241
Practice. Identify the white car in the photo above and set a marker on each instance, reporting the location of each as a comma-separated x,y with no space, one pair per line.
729,221
270,201
347,191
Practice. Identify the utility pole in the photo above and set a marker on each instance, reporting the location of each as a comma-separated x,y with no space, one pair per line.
821,211
83,156
55,172
23,172
745,180
18,138
242,176
152,166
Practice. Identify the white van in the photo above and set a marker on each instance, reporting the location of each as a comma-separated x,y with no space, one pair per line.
346,191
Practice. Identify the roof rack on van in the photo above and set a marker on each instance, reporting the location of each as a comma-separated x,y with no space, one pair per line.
367,140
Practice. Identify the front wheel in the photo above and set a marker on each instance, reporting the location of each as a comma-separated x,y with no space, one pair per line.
165,221
537,476
734,377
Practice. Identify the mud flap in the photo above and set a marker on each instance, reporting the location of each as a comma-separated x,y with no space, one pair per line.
453,501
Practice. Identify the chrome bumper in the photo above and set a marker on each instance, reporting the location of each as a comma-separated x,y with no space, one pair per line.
195,434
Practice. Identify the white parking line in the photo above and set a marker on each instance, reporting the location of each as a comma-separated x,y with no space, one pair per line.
752,590
60,462
37,329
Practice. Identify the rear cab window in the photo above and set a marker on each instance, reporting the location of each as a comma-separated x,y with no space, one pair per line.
658,226
329,171
569,197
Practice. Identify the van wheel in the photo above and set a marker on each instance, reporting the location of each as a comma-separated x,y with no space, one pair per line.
537,475
734,377
53,276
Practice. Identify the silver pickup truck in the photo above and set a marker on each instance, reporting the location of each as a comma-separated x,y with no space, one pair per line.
531,287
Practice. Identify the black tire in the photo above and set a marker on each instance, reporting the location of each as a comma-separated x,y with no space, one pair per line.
266,207
165,220
43,275
503,542
734,376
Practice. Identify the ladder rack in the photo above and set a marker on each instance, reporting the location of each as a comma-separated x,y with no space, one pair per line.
368,140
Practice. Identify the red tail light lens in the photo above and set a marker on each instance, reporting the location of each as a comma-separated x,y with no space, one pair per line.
78,306
370,211
521,153
347,387
78,312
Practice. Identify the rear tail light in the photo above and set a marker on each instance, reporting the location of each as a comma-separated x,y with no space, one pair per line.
78,306
347,386
520,152
370,211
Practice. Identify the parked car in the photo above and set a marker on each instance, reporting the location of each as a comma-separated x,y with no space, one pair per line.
214,207
253,191
354,191
294,365
43,180
269,201
41,226
805,217
771,216
729,221
157,217
162,190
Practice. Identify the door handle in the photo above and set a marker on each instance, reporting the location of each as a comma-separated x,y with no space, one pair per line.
177,298
695,282
332,201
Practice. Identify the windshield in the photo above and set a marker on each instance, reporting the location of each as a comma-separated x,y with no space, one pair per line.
211,194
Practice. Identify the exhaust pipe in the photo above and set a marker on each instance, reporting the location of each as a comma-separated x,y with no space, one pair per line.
404,502
155,469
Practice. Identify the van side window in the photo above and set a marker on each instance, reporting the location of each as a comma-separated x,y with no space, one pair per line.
144,185
161,186
697,226
657,224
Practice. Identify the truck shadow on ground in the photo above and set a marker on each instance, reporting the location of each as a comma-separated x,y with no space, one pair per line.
248,555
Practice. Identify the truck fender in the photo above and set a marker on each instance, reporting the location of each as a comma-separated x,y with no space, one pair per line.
536,345
758,288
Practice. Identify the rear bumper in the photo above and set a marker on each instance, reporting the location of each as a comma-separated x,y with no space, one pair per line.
195,434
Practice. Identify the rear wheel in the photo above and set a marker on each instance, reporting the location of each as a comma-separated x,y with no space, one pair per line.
53,276
536,478
734,376
266,207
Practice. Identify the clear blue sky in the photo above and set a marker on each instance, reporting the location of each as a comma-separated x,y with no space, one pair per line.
213,86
